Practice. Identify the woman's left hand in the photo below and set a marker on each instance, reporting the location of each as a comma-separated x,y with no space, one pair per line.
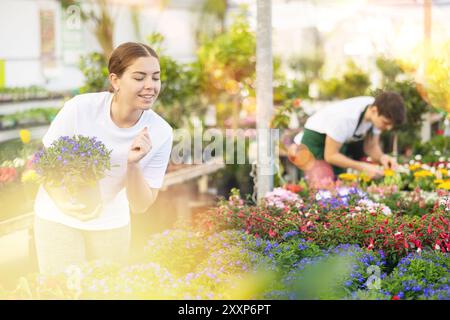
140,147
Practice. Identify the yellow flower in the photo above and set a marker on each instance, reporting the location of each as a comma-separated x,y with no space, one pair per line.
438,181
364,177
25,136
415,167
389,173
443,171
29,176
445,185
422,174
348,176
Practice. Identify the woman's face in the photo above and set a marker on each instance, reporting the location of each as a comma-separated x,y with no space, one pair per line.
140,83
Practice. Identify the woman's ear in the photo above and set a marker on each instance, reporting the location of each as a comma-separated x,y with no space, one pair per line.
114,80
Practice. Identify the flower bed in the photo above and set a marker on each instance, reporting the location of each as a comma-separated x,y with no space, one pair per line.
235,265
359,240
18,180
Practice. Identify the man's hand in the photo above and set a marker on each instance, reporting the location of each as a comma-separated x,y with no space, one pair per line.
140,147
388,162
371,170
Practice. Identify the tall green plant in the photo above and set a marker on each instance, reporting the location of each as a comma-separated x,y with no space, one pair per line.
95,71
354,82
179,97
389,68
211,21
227,65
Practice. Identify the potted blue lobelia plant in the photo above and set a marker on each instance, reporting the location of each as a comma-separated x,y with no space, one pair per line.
70,170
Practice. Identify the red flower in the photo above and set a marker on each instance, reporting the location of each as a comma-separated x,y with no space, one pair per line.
447,245
272,233
429,229
444,220
297,103
293,188
380,230
396,297
8,174
370,247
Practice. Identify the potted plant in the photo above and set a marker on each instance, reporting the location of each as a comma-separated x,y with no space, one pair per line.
70,170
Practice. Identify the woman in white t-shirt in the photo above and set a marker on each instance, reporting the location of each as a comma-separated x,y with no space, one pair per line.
141,142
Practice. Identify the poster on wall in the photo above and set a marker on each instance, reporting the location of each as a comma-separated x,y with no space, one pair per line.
48,45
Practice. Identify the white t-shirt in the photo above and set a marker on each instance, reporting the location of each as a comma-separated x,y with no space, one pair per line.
89,115
339,120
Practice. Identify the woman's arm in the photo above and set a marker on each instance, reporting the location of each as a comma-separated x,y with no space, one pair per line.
140,195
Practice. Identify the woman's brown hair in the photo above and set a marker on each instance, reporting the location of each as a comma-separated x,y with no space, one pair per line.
124,56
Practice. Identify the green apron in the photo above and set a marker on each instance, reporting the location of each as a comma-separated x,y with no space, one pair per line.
315,142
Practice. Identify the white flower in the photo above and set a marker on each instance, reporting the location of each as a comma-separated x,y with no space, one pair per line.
419,250
323,194
437,153
441,159
441,166
437,247
386,211
343,192
18,162
418,157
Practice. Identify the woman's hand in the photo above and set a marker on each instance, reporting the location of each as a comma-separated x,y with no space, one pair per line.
140,147
75,210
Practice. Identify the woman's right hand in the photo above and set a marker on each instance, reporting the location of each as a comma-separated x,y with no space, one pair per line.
75,210
371,170
72,209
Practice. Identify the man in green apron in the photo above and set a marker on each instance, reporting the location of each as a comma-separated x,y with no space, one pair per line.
343,132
